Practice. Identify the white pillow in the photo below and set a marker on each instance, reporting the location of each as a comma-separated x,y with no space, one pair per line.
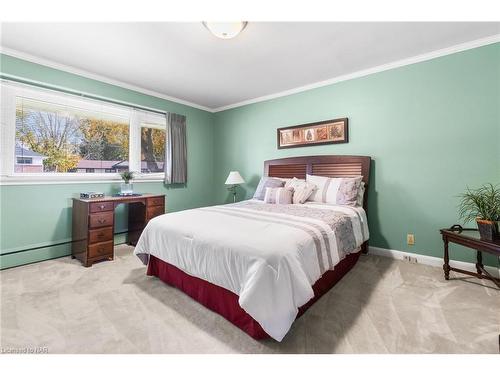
335,190
264,183
301,189
281,195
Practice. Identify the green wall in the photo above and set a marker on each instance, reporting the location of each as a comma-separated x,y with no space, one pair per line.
40,215
431,128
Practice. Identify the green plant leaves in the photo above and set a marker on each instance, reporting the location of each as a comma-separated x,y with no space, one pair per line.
482,203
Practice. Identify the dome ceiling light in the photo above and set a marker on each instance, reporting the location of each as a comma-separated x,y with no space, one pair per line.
225,30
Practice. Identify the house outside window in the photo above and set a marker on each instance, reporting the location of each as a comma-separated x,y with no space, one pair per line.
28,161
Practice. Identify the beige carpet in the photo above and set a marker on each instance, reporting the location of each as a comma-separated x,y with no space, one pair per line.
381,306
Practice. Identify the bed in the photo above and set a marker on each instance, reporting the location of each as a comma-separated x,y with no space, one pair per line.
260,265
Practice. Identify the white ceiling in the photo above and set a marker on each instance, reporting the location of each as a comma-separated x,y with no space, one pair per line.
183,60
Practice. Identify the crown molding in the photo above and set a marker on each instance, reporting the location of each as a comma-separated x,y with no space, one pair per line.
377,69
96,77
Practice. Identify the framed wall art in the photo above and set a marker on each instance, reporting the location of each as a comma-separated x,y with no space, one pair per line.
315,133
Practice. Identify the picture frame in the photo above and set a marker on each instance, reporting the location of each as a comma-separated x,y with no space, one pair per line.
314,133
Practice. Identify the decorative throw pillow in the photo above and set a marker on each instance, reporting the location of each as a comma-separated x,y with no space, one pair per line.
264,183
335,190
348,191
281,195
301,189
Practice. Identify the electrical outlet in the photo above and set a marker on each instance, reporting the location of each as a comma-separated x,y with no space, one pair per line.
410,239
410,259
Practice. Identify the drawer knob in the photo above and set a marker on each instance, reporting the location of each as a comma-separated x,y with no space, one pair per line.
102,207
101,221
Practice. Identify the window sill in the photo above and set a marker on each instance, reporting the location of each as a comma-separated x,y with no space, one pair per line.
97,178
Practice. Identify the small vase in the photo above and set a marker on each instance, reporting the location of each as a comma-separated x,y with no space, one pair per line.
126,188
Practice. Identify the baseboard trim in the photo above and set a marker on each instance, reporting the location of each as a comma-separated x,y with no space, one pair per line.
429,260
42,253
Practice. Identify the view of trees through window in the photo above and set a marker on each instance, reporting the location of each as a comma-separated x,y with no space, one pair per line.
152,148
52,138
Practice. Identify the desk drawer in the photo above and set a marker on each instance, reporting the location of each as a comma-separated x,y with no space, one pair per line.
156,201
101,206
100,235
103,219
101,249
155,211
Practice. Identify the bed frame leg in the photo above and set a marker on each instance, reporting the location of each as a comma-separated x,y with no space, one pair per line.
364,248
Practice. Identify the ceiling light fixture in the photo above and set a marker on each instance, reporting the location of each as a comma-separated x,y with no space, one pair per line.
225,30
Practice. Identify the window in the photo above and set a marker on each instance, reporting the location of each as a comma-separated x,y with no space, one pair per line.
53,136
70,140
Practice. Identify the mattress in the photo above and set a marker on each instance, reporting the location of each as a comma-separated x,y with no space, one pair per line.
270,256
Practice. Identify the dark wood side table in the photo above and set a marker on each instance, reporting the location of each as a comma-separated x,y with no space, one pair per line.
469,238
93,224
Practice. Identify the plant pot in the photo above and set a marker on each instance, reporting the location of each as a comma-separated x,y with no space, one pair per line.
488,230
126,188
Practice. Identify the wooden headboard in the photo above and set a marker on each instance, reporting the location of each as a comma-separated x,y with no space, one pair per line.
327,165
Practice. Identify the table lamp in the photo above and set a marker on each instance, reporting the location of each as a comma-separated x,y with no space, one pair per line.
234,179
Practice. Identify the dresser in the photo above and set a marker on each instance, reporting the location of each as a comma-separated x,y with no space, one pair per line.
94,223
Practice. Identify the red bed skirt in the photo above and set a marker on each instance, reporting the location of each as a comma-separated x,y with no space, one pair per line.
225,302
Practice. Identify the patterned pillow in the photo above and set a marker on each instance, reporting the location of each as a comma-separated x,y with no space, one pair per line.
301,189
335,190
264,183
285,180
361,194
349,191
281,195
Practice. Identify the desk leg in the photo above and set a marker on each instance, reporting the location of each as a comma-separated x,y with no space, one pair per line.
446,265
479,263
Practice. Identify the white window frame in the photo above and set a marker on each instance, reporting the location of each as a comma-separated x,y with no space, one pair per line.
8,94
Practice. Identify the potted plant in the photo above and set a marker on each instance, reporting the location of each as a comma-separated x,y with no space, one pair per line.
126,187
482,205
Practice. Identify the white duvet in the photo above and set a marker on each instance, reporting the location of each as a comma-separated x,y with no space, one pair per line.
269,255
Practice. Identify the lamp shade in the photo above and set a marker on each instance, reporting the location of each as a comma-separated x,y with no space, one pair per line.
234,178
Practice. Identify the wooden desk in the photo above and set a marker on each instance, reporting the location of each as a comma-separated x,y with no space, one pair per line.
470,238
94,224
